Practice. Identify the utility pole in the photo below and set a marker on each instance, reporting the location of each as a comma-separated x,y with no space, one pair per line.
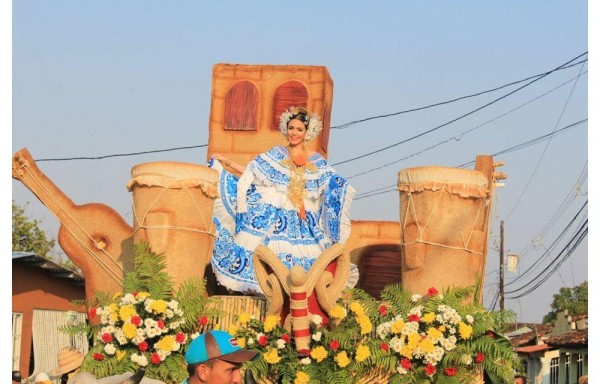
501,294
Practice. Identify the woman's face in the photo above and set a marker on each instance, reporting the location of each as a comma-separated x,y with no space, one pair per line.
296,132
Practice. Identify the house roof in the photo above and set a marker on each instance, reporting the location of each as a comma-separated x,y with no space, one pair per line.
533,348
30,259
529,333
576,338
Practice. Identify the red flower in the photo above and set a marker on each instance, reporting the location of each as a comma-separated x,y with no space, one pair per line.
450,371
414,318
98,356
492,334
432,291
180,337
155,358
106,337
430,369
383,310
385,347
334,345
160,324
134,293
479,358
143,346
203,320
285,337
92,313
136,320
406,364
262,341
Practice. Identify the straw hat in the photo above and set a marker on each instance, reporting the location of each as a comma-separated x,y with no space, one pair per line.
42,378
69,358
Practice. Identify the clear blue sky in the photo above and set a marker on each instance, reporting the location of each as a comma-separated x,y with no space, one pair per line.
100,78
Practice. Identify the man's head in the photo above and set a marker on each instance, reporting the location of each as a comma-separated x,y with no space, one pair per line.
215,357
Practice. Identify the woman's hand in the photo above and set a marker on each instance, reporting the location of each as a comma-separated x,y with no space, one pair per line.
222,159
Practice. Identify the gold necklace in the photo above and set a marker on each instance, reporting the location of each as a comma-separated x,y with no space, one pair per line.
297,187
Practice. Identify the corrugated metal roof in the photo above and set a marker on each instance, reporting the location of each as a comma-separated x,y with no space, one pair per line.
30,259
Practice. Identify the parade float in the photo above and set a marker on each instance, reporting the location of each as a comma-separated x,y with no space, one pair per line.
146,290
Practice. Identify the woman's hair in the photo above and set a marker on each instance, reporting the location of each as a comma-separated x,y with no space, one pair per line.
311,121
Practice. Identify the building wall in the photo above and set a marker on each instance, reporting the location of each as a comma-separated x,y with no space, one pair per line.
35,288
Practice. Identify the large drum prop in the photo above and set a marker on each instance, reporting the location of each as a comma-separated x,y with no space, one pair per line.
444,218
172,211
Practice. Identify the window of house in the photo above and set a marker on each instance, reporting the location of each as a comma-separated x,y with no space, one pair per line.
290,93
241,107
554,371
579,365
17,324
567,368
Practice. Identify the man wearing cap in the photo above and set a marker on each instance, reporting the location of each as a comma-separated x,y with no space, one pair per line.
215,358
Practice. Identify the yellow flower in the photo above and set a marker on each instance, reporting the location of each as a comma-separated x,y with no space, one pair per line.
357,308
465,330
301,378
342,359
365,324
244,318
271,322
397,326
338,312
113,307
426,345
434,333
318,354
166,343
442,328
126,312
129,330
428,317
158,306
241,342
142,295
120,355
362,353
406,351
232,329
413,340
271,356
117,295
114,317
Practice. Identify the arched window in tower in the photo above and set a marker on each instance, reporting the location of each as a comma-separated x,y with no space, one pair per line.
241,107
289,93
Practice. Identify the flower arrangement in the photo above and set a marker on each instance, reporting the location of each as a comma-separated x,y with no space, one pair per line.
404,338
149,326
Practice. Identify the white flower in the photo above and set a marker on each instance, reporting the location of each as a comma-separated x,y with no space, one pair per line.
466,359
305,361
138,339
470,319
416,310
401,370
110,349
280,343
194,335
163,354
173,304
316,336
250,341
416,297
169,313
396,344
176,347
140,360
316,319
127,299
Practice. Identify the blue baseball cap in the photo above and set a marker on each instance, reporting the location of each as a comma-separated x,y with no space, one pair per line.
217,344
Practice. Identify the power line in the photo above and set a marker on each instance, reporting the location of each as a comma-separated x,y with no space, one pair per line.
457,118
123,154
346,125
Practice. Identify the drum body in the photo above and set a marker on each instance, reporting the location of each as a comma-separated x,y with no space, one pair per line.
444,219
172,211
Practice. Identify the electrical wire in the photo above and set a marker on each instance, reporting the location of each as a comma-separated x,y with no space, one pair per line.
123,154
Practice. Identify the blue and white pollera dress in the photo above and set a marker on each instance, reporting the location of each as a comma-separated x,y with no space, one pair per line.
255,209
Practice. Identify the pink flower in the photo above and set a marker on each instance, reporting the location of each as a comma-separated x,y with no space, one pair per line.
180,337
136,320
98,356
155,358
262,341
430,369
406,364
143,346
383,310
479,358
334,345
432,291
203,320
414,318
107,337
450,371
385,347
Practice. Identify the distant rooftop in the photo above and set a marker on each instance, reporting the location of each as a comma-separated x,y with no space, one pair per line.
30,259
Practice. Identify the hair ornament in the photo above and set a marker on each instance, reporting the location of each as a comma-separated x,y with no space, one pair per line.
311,121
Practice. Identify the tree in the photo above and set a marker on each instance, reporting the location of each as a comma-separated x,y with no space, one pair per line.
27,235
575,300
